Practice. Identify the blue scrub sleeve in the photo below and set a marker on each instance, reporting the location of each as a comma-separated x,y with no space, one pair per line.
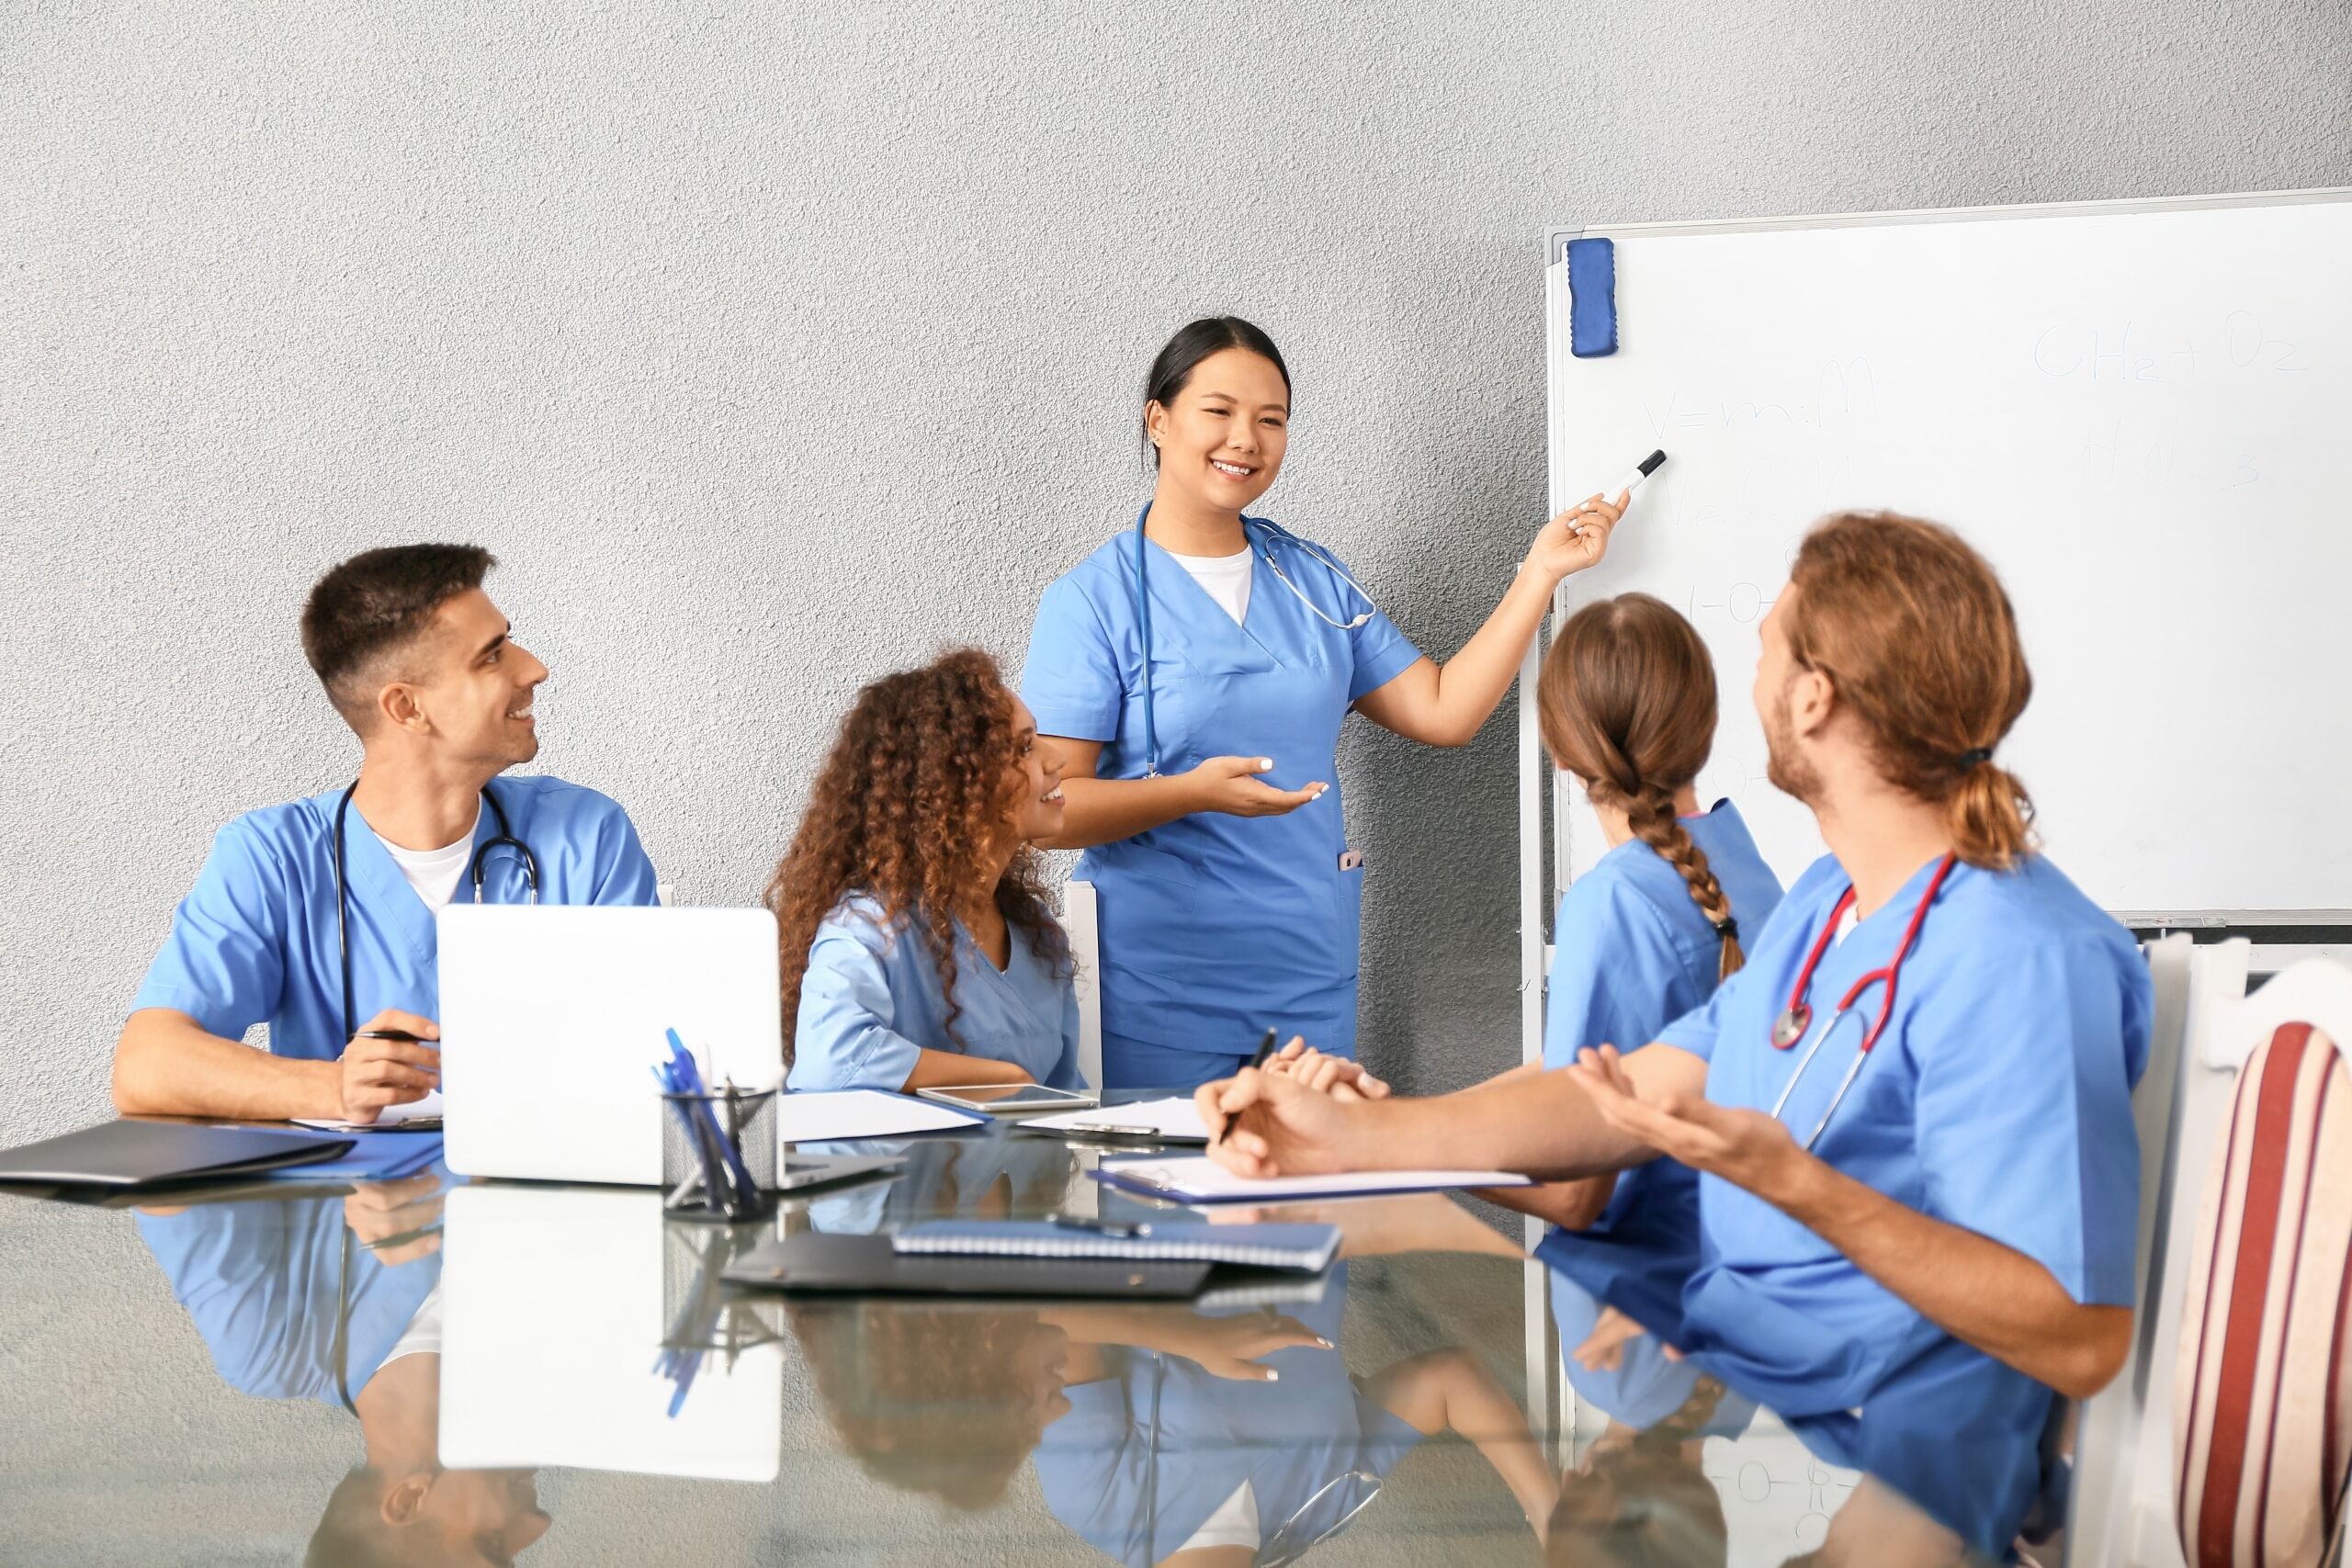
1695,1030
1381,652
1071,679
842,1037
2023,1112
223,963
624,871
1613,972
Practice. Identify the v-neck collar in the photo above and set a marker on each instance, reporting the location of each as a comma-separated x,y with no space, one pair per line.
1016,948
1198,605
375,883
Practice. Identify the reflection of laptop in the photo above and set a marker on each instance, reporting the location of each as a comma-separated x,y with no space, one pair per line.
552,1017
555,1302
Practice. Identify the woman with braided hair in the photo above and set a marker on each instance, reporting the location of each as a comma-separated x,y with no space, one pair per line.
1627,704
917,945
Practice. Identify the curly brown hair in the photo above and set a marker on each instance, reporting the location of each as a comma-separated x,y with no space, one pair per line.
912,807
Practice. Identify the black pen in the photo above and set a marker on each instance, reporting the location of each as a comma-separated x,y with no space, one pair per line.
392,1034
1265,1054
1110,1229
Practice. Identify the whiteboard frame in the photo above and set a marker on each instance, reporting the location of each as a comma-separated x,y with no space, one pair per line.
1535,950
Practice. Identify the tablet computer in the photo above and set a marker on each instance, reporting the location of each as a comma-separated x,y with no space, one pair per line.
1010,1098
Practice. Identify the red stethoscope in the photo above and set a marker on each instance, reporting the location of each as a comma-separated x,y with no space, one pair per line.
1794,1022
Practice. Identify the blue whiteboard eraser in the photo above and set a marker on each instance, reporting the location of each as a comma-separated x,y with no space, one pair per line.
1592,297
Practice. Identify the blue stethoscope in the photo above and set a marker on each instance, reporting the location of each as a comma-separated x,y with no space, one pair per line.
504,839
1263,542
1797,1018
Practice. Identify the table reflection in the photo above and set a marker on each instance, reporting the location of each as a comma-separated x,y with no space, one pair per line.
493,1341
338,1300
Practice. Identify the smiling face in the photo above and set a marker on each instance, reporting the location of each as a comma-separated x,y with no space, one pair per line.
1221,437
472,685
1038,807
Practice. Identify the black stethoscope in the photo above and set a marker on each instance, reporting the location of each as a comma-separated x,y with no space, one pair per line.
504,839
1797,1018
1265,544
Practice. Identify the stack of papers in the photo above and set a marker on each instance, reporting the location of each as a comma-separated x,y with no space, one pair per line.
425,1110
1199,1179
1170,1120
862,1113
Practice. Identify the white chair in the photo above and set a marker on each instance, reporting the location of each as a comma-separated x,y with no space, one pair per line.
1080,918
2124,1508
2106,1435
2276,1470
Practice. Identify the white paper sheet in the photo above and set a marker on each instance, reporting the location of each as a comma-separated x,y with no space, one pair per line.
1173,1119
861,1114
391,1116
1198,1180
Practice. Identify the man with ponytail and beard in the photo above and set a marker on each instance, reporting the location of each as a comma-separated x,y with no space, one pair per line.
1949,1212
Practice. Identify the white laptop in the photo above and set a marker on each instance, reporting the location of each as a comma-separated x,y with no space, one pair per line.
552,1017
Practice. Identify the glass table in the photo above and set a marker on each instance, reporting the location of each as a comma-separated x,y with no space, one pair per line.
436,1371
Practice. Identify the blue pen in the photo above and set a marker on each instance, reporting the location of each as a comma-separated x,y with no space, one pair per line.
745,1194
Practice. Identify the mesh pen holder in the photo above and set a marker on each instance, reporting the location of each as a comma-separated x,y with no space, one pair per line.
695,1185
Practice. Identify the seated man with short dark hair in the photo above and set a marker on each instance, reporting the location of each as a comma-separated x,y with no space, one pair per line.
317,917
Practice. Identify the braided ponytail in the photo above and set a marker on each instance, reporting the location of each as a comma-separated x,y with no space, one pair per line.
1627,703
1651,818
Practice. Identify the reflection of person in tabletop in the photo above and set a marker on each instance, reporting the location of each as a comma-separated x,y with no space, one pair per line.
338,1300
1638,1496
1168,1434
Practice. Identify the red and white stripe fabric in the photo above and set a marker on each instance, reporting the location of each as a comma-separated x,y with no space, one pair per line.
2263,1403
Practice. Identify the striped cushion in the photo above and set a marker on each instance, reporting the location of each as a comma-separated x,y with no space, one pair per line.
2263,1405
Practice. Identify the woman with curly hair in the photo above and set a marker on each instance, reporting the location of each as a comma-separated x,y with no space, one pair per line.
917,946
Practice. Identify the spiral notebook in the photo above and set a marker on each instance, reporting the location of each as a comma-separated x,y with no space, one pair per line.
1302,1247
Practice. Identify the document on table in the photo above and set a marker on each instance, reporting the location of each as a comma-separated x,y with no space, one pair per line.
1199,1179
825,1117
427,1108
1171,1121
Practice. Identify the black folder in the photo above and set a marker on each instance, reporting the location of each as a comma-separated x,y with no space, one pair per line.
142,1154
866,1265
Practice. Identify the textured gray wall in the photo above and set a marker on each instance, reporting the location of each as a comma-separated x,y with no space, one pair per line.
773,346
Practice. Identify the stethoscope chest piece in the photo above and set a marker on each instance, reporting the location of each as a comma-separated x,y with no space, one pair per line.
1789,1027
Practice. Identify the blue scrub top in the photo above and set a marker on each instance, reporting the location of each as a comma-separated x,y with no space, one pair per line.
872,1002
1949,1432
1646,1385
254,940
1997,1099
1632,954
261,1283
1215,928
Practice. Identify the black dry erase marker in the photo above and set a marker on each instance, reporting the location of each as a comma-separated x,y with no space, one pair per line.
1642,471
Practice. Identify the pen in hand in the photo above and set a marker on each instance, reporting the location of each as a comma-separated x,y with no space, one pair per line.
1265,1053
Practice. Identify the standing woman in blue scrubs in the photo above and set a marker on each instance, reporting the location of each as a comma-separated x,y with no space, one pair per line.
1195,672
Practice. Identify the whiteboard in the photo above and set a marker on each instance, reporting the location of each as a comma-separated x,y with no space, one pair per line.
2141,412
